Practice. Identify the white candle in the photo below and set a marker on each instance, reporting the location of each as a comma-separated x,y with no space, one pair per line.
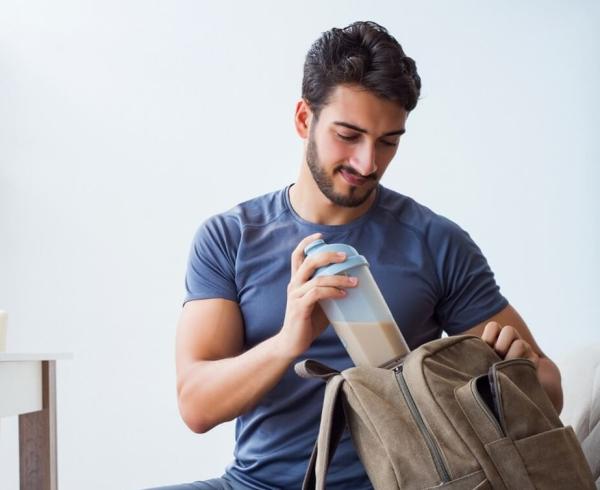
3,318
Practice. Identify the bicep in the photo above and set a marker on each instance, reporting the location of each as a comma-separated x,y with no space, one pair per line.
208,329
508,316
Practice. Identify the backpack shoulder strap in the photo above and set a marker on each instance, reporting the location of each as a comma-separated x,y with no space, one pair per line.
333,423
309,368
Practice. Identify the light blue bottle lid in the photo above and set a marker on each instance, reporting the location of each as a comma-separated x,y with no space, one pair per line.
353,259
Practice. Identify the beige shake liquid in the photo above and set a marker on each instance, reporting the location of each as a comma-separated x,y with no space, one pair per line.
371,343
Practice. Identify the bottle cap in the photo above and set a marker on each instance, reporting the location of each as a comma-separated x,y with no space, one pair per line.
353,259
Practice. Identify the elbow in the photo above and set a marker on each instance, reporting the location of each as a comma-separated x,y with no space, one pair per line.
192,413
194,419
196,425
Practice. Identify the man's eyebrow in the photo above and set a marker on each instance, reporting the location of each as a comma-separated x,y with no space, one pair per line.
361,130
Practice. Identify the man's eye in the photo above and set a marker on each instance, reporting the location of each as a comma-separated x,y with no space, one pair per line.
347,138
355,137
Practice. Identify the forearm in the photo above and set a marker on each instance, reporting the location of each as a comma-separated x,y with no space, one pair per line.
549,377
212,392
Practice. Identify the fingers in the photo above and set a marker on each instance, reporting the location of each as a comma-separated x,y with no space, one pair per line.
507,342
298,253
312,263
521,349
304,267
338,282
500,338
505,339
321,292
490,333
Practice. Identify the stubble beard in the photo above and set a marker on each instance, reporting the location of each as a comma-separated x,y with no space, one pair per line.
325,182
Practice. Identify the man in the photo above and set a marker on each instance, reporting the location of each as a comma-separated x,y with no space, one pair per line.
251,310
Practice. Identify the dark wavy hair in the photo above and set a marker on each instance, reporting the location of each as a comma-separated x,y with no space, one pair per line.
362,54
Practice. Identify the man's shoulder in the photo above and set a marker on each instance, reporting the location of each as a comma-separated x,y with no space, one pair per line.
257,211
410,213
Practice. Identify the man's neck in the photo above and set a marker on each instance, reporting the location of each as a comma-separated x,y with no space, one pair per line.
311,204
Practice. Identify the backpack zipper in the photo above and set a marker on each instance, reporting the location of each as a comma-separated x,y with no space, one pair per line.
434,449
490,410
496,396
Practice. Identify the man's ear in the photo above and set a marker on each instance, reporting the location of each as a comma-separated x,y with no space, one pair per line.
303,119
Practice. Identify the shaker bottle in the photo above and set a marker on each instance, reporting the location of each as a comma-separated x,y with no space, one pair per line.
361,319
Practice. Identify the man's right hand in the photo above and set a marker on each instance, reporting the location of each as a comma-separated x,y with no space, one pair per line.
304,319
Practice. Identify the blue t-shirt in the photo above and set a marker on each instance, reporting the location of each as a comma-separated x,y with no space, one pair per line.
432,275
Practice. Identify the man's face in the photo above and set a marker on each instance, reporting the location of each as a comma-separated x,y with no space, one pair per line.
352,143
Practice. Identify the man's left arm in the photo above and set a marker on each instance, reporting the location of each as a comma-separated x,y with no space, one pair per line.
508,334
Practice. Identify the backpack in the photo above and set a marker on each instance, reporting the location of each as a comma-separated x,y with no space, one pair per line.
452,415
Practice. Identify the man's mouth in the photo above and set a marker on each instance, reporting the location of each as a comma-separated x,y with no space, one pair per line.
353,178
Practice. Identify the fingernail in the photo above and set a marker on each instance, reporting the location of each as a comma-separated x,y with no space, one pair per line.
353,280
341,254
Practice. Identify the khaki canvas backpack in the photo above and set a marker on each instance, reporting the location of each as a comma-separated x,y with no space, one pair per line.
451,416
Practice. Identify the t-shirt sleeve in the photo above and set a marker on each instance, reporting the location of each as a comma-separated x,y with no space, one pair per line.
210,269
469,293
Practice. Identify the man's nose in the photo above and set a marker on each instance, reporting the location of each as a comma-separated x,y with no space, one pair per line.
364,160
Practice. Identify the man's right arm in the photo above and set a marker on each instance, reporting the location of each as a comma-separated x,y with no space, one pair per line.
216,379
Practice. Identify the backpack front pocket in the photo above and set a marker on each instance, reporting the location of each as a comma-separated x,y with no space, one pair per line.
554,460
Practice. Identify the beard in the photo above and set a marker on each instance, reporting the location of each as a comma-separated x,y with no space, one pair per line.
325,182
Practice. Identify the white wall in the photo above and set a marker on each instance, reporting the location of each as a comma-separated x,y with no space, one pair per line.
124,124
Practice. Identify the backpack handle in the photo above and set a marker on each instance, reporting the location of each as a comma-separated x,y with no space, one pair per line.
333,422
309,368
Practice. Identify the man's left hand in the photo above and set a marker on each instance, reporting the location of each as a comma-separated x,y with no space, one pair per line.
507,342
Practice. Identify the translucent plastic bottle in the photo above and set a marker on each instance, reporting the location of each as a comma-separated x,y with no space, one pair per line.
361,319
